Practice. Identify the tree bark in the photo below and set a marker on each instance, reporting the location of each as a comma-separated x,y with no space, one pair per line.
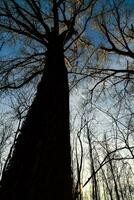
40,167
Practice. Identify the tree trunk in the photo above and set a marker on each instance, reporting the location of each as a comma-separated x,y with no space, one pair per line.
40,167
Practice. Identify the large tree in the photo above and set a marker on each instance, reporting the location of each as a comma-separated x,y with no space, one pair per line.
39,165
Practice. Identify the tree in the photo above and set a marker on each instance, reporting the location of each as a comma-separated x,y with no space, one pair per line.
39,166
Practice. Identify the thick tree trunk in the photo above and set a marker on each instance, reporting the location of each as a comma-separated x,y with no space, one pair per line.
40,168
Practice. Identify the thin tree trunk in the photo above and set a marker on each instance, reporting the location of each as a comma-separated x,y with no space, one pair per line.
40,168
95,195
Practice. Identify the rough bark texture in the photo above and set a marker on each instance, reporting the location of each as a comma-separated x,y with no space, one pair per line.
40,168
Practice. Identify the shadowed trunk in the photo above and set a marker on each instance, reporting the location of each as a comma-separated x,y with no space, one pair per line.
40,168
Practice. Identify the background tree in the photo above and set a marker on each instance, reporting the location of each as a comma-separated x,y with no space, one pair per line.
107,99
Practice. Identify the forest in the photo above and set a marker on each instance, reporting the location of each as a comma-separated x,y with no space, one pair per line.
66,99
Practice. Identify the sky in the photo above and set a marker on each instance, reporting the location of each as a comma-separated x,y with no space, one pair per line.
76,97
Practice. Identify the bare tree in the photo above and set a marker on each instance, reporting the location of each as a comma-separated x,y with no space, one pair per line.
40,164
